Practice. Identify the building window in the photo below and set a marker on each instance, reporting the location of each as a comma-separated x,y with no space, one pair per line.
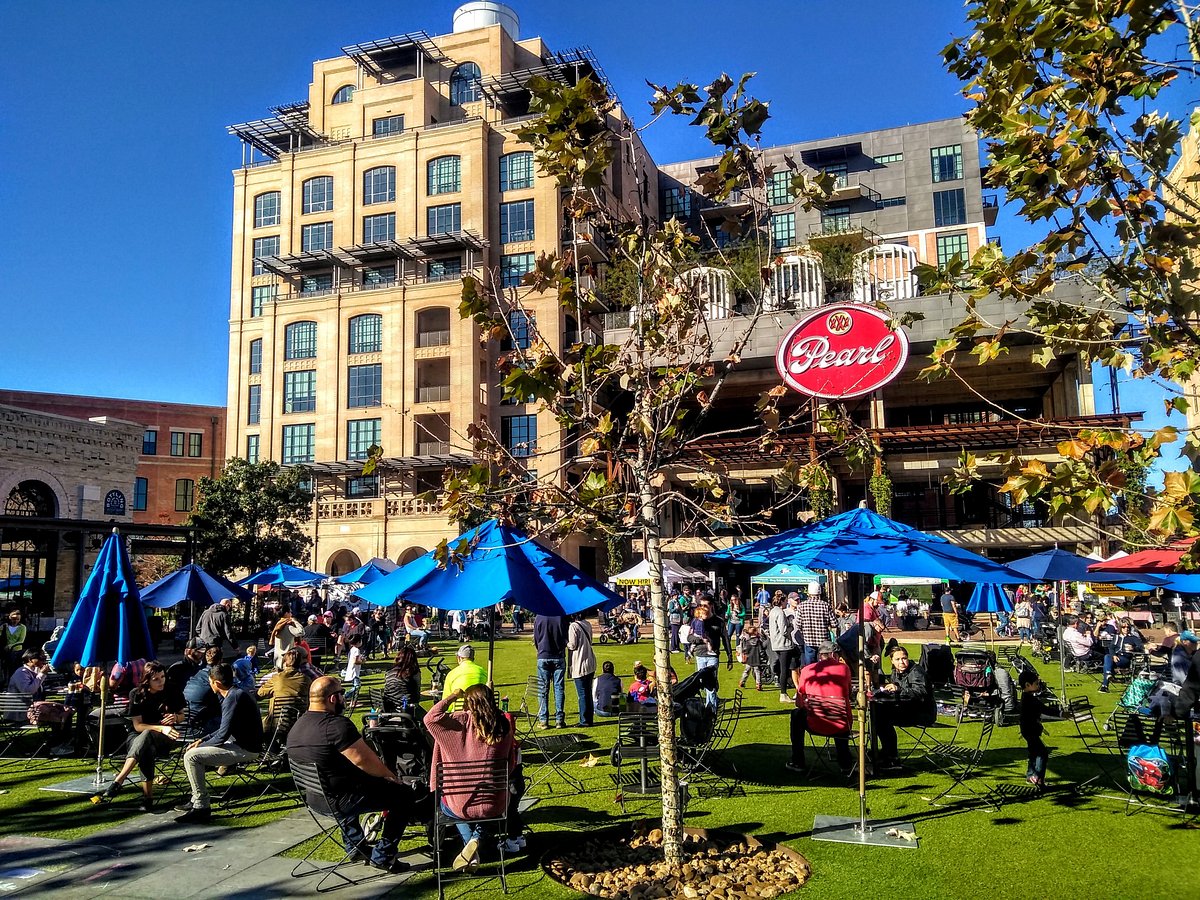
783,230
379,276
388,125
263,247
445,267
195,444
950,246
185,494
892,201
889,158
519,434
300,391
946,162
949,208
443,219
344,94
779,189
318,194
514,267
465,84
298,443
320,283
317,236
444,175
178,443
433,327
835,219
521,330
362,487
141,493
254,404
260,295
366,333
361,436
432,434
379,185
840,173
377,229
150,442
516,221
366,386
256,356
676,202
300,341
266,209
252,448
516,171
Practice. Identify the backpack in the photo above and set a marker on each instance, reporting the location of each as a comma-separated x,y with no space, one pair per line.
1139,689
697,722
1150,770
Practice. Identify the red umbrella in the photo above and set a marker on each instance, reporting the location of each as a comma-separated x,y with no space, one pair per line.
1157,559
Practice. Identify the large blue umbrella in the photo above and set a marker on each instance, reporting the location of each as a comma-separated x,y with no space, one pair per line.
283,575
368,573
193,584
989,598
108,623
501,564
863,541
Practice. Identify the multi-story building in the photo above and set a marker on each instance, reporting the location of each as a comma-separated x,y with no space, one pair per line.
1184,178
181,443
356,213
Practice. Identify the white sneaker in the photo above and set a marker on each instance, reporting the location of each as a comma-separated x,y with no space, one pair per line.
468,857
784,698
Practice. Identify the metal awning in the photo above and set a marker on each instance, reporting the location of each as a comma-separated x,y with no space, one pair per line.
285,132
833,153
448,240
568,67
377,57
292,265
363,253
390,464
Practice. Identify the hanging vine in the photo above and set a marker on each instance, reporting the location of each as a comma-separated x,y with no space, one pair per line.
881,488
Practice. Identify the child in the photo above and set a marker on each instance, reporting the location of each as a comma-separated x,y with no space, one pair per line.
1031,727
606,686
353,674
748,652
641,689
245,670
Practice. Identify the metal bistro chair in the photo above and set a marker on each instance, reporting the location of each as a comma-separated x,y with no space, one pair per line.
637,743
704,766
828,709
260,774
960,762
14,724
466,783
310,784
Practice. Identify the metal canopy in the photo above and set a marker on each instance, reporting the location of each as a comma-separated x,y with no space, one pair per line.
362,253
292,265
376,57
568,67
391,464
817,156
434,243
285,132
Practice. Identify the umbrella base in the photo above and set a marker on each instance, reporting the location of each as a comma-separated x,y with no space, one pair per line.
844,830
86,784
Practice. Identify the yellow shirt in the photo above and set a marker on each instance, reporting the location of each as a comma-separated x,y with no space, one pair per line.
461,677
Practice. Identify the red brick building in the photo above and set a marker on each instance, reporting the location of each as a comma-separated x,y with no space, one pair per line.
180,444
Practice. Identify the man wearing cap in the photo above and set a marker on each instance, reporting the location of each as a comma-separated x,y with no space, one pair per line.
214,627
1181,656
465,674
822,707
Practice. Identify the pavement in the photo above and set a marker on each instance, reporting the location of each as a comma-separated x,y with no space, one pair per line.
137,860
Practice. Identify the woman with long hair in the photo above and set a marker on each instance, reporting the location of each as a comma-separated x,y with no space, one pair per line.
155,710
402,680
479,733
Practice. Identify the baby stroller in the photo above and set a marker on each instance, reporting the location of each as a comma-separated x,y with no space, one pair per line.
1045,643
975,676
438,670
609,632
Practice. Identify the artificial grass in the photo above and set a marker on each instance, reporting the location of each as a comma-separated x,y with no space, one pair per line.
1063,843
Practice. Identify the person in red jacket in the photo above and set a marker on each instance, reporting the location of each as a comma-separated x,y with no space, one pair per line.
822,707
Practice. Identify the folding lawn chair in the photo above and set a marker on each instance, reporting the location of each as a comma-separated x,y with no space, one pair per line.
467,782
960,762
703,765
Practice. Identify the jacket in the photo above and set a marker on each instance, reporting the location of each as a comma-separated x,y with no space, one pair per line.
579,641
779,628
550,636
214,627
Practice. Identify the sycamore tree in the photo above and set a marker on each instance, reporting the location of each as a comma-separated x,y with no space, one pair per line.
250,516
1067,97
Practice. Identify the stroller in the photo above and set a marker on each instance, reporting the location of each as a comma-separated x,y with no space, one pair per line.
401,741
609,632
975,676
1045,643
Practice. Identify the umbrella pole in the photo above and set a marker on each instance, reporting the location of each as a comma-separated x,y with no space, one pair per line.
862,725
491,639
99,780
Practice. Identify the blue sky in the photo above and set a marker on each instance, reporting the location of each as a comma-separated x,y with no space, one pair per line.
116,165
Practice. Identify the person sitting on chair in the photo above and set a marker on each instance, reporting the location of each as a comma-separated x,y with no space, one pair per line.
356,779
822,707
403,680
286,687
30,677
465,674
904,700
1121,650
414,627
154,710
607,685
1078,640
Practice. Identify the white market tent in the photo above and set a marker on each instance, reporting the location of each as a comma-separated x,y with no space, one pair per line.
673,574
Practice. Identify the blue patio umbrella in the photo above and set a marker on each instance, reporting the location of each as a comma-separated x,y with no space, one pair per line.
193,584
368,573
989,598
283,575
108,623
863,541
502,565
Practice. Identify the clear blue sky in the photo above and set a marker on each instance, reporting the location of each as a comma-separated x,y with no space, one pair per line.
115,164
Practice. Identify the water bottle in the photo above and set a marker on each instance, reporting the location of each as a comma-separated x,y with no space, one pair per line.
504,703
404,703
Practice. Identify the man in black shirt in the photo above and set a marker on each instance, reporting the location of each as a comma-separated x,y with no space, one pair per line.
550,640
355,778
181,672
238,739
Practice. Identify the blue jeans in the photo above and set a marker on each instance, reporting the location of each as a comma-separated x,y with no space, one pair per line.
465,831
548,670
1111,662
583,689
708,662
808,656
400,802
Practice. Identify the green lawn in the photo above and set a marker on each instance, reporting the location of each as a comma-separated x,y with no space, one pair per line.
1062,844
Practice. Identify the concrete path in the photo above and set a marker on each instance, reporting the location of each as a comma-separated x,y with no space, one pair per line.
145,858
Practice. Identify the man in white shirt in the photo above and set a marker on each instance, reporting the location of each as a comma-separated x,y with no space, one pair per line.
1078,639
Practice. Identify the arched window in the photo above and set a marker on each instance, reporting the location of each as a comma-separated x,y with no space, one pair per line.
344,94
366,333
516,170
300,340
266,209
379,185
318,194
444,175
464,84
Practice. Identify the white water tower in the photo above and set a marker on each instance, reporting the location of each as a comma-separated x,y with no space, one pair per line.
484,13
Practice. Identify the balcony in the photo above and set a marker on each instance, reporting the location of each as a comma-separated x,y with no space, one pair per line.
991,209
348,509
855,231
434,393
432,448
852,187
412,507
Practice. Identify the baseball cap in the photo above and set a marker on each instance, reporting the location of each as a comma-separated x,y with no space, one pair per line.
466,651
1189,635
826,647
195,644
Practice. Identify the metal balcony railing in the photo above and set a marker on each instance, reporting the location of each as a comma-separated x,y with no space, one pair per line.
438,393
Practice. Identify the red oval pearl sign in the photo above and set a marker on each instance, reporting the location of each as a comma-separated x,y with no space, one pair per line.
841,351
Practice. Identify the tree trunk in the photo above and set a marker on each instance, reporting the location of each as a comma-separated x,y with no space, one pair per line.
672,820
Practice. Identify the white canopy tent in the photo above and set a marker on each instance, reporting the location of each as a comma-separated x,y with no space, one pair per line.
673,574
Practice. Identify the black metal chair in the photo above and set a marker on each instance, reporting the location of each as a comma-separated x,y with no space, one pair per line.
705,766
464,784
260,774
637,743
960,762
829,710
